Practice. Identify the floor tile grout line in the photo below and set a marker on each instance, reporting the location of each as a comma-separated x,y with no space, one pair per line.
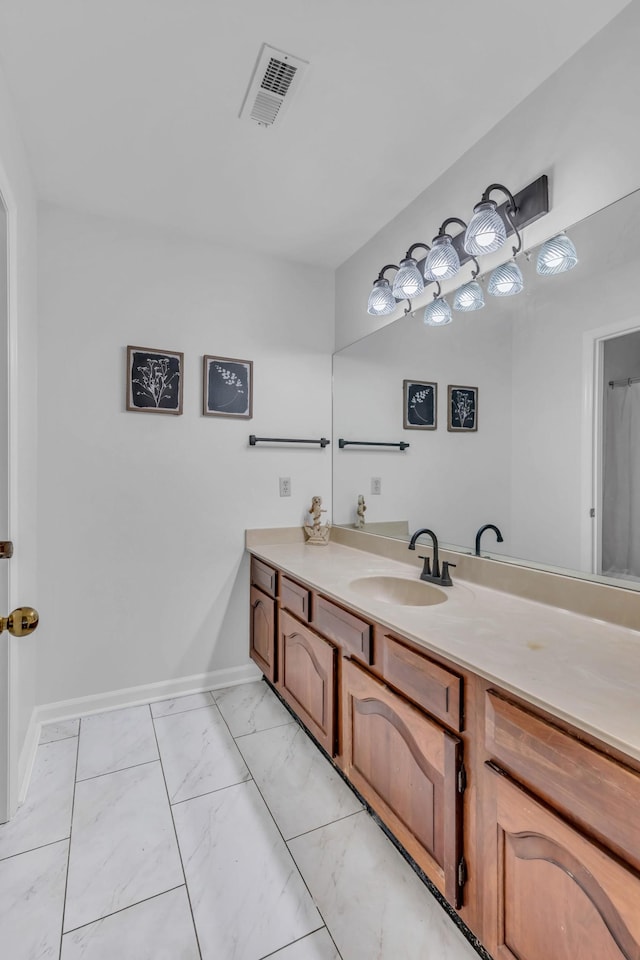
252,733
274,953
293,859
175,833
73,805
40,846
322,826
72,736
198,796
96,776
175,713
130,906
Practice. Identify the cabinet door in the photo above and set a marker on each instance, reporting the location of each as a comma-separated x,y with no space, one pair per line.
308,678
263,633
406,766
551,892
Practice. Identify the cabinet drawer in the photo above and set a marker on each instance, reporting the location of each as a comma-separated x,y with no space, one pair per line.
295,598
432,687
263,576
593,790
352,633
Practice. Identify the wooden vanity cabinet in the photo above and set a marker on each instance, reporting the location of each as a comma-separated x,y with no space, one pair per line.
408,769
307,678
562,843
262,632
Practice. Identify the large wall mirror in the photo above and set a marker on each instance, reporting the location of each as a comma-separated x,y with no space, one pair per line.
555,459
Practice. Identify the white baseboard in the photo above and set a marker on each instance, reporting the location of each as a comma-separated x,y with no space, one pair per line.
116,699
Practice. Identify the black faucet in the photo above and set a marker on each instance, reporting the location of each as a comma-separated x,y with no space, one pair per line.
487,526
444,579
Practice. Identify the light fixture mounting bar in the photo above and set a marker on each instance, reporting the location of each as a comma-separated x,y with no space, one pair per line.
532,202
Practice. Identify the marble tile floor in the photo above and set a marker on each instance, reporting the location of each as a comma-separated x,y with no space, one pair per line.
207,827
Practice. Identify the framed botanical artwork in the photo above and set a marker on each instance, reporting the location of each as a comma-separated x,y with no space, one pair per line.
227,388
154,380
463,409
420,405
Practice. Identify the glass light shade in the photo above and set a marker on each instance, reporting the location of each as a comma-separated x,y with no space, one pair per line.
381,299
442,260
437,313
408,282
469,297
486,232
556,256
506,280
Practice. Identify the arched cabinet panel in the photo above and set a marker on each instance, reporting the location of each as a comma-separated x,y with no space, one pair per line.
263,633
307,678
406,766
551,892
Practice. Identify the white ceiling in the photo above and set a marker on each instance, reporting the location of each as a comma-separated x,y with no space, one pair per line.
129,108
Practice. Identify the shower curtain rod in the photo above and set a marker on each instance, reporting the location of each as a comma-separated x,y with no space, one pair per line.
626,382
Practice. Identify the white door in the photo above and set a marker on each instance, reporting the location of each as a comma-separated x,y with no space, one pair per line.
5,648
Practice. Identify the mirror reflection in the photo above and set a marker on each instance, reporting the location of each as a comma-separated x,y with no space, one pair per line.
551,378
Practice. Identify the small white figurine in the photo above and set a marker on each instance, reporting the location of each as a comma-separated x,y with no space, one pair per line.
316,531
360,512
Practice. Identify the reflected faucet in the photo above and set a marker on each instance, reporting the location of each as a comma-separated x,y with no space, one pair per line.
487,526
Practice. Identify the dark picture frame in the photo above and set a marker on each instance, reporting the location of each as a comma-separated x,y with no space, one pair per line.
154,380
462,409
419,405
227,387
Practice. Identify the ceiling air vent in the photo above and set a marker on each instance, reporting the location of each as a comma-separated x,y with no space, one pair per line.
275,79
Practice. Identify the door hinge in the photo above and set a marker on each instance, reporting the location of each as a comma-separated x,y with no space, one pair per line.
6,549
462,778
592,512
462,873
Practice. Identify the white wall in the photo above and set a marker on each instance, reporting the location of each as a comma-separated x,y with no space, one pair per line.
142,571
578,127
17,189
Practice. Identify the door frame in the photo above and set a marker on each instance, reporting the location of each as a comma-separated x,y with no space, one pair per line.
9,748
592,437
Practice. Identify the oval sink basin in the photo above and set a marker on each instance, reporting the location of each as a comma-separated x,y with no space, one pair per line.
407,593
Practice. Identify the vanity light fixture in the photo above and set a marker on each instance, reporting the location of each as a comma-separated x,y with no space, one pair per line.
443,262
486,232
381,299
556,255
408,282
469,297
506,280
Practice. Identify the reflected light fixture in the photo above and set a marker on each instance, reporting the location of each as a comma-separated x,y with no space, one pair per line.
438,312
469,297
381,300
408,282
506,280
557,255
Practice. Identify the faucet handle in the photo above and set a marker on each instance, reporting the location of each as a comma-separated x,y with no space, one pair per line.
426,570
445,579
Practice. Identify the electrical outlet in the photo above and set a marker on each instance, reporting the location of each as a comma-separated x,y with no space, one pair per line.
285,486
376,485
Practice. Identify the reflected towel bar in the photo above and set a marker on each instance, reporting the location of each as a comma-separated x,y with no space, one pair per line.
253,440
370,443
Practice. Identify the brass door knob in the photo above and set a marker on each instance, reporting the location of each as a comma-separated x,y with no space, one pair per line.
21,622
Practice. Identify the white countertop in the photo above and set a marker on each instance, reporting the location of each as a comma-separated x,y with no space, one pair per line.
582,670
